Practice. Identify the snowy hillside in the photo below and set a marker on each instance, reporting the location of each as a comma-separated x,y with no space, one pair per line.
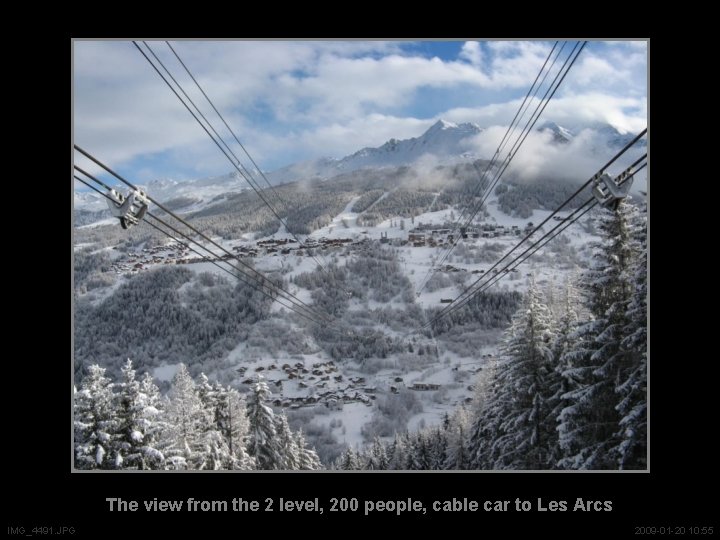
185,195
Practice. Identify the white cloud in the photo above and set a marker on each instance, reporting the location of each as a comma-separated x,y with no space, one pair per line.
342,87
627,114
471,52
540,157
593,69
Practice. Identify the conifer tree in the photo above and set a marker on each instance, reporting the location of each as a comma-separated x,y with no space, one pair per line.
153,424
589,423
137,415
398,456
308,459
96,423
349,461
630,451
563,378
187,419
376,458
518,409
232,422
457,441
263,438
289,452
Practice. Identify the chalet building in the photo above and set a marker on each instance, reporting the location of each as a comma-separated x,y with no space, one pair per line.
425,386
416,237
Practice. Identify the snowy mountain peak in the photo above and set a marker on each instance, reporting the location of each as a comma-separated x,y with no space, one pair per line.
450,127
441,125
614,137
444,140
560,134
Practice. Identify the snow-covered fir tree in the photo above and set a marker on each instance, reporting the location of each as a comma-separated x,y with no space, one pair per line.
96,422
232,422
207,394
263,443
187,419
137,437
563,380
376,458
153,423
212,451
589,423
308,459
398,453
630,451
288,450
348,461
437,441
518,412
457,455
421,455
483,422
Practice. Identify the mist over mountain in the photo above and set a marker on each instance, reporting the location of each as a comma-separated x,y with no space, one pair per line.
551,151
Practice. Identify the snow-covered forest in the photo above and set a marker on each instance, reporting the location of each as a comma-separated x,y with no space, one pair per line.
128,424
174,316
519,198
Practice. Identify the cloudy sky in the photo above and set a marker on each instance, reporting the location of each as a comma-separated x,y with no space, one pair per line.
295,100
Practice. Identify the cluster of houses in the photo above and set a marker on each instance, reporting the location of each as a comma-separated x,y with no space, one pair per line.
425,386
325,243
426,235
172,253
286,246
320,383
297,385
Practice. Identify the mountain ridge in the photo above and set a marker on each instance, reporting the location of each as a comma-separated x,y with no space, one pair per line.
443,143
